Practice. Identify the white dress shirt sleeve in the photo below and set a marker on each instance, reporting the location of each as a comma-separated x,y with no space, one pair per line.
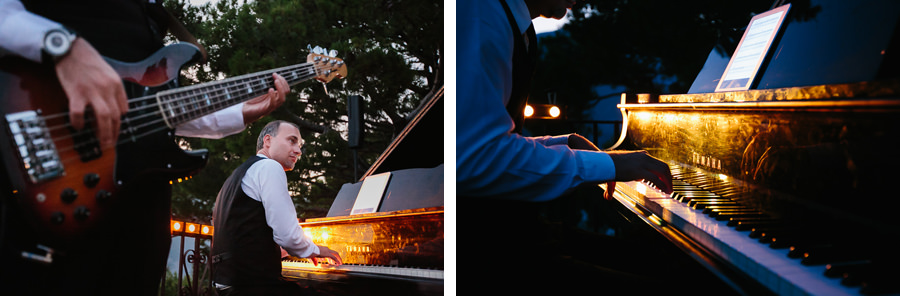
22,32
266,181
218,125
490,159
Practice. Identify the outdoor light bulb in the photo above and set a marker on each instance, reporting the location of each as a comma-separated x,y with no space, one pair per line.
529,111
192,228
176,226
554,111
205,229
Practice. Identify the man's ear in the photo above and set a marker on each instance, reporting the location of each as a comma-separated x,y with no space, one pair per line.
267,141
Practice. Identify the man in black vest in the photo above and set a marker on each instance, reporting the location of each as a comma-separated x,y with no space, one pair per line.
254,215
126,255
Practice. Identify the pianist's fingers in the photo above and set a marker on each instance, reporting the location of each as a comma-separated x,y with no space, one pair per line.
610,188
639,165
664,179
325,252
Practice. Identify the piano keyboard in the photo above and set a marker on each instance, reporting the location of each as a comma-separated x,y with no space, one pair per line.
290,268
709,211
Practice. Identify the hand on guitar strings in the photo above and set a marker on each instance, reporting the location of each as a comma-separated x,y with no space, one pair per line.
89,81
262,105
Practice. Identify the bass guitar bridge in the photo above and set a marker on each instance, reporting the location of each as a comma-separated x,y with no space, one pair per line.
35,146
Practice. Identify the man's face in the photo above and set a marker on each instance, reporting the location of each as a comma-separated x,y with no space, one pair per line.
555,9
285,146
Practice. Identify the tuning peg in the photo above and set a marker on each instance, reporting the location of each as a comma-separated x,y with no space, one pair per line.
332,53
317,50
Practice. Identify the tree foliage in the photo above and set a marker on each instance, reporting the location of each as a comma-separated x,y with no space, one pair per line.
643,46
393,51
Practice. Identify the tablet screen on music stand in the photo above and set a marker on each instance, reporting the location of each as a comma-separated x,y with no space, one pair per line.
370,194
752,50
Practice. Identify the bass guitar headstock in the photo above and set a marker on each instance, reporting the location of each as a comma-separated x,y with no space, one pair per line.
327,65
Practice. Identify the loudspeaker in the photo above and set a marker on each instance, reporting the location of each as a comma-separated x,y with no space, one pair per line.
355,121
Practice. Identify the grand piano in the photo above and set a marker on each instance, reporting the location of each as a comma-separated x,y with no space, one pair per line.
398,249
789,186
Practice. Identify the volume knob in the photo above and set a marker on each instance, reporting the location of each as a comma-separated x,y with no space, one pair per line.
91,179
57,218
68,195
82,213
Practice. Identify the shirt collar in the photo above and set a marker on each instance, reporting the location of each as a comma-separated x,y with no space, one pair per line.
520,13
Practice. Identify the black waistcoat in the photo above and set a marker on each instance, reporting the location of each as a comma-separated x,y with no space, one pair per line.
524,61
243,251
125,30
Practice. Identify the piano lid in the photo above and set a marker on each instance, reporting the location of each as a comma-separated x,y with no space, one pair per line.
415,159
823,42
420,144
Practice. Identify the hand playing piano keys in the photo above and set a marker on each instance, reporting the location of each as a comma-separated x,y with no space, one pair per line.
639,165
326,256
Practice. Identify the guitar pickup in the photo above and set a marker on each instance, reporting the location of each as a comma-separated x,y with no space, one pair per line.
36,150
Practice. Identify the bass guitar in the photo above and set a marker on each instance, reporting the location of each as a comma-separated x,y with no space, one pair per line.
64,182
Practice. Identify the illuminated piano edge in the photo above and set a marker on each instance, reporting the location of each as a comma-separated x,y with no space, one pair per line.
290,267
770,267
373,216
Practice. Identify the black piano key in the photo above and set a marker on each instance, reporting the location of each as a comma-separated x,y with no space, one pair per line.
838,269
724,216
687,197
834,253
748,220
801,243
741,195
706,199
799,247
881,280
744,225
723,189
699,205
767,233
716,208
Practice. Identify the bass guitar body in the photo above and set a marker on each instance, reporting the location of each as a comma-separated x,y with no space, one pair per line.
60,178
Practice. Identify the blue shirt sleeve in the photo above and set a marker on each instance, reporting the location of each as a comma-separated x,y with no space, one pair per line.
491,161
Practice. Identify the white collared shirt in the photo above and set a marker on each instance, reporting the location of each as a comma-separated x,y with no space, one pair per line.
265,181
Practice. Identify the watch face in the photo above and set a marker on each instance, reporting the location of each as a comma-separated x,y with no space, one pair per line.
56,43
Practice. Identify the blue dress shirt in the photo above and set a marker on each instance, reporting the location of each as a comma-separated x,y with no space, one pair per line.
491,161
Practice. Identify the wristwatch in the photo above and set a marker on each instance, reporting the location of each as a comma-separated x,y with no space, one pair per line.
57,43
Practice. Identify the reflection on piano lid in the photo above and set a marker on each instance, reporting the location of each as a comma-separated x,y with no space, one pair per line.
400,248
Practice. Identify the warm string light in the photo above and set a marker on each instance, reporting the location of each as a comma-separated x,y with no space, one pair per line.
191,229
542,111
